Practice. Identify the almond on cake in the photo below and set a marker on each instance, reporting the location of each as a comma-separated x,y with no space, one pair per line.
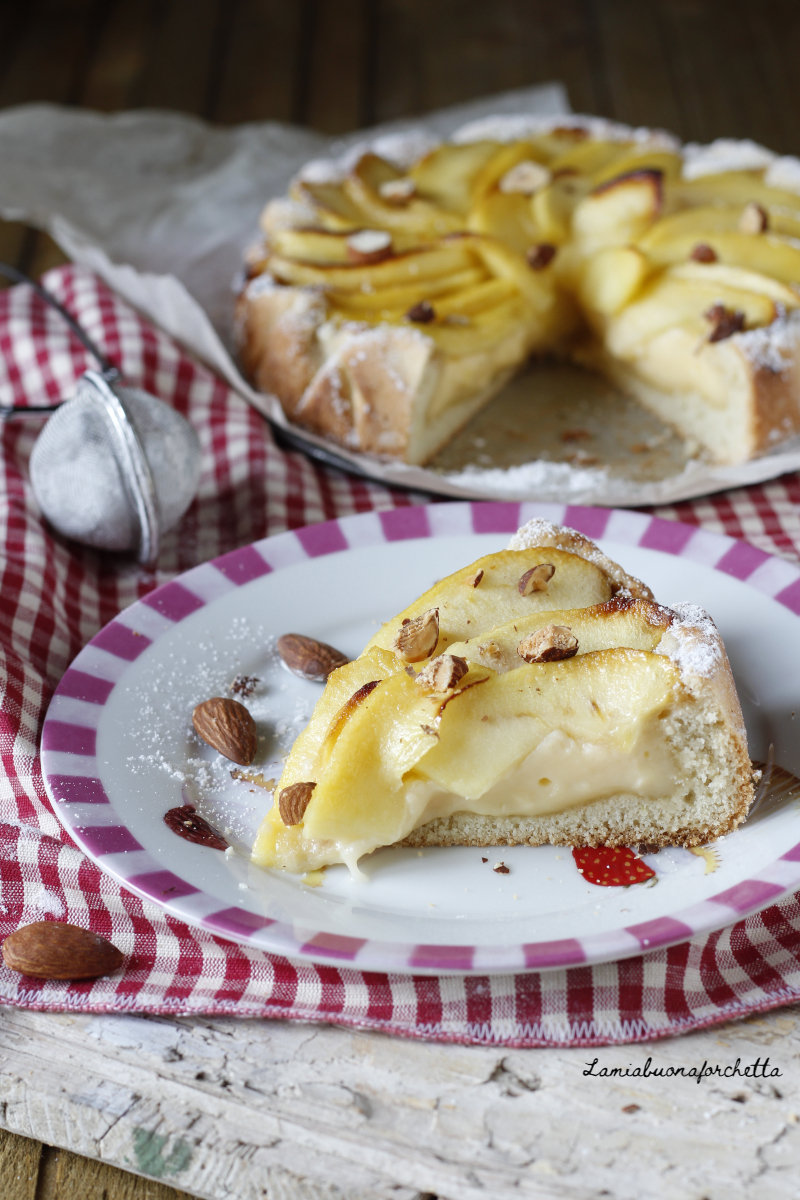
398,288
579,712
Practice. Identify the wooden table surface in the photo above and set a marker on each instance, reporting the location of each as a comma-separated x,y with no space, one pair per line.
467,1121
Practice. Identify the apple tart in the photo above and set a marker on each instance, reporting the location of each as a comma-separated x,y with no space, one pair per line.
538,695
395,291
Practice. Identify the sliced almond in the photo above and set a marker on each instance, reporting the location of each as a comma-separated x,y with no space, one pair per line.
397,191
550,644
443,673
526,177
754,219
369,245
475,579
293,802
228,727
308,658
536,580
416,639
490,650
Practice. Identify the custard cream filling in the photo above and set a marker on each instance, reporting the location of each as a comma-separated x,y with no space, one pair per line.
560,774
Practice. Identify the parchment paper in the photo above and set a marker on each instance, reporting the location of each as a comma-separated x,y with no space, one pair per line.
162,205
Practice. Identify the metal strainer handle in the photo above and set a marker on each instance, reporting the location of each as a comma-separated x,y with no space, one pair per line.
107,370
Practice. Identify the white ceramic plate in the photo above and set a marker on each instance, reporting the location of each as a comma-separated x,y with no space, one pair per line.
118,750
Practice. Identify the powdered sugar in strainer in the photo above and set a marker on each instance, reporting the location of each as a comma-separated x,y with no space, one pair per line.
114,467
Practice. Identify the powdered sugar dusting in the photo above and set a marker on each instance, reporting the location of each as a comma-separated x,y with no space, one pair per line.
402,149
784,173
724,154
408,146
405,148
322,170
557,478
692,642
162,742
773,346
517,127
260,285
538,532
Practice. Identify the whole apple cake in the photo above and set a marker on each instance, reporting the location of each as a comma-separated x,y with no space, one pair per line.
397,289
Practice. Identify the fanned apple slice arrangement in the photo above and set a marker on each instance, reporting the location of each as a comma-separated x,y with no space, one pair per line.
388,303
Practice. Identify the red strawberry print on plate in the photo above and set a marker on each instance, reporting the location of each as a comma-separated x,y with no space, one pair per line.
611,866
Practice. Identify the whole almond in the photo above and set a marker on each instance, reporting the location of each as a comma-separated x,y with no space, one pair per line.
293,802
308,658
54,950
551,644
228,727
536,580
416,639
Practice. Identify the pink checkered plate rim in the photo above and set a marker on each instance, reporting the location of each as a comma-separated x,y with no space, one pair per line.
112,771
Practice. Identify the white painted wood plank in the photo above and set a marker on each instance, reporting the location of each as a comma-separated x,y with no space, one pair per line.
269,1110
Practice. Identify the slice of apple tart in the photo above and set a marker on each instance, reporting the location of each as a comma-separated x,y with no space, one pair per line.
539,695
395,291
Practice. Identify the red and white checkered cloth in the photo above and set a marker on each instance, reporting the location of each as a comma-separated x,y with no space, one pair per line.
56,596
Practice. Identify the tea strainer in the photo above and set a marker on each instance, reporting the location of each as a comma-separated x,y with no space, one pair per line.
114,467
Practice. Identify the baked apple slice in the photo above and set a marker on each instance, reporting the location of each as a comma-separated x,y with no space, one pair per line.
552,208
369,304
681,304
589,157
611,278
506,216
622,621
377,190
635,159
488,592
605,697
499,174
767,253
407,268
448,175
729,187
333,209
712,274
694,224
619,210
